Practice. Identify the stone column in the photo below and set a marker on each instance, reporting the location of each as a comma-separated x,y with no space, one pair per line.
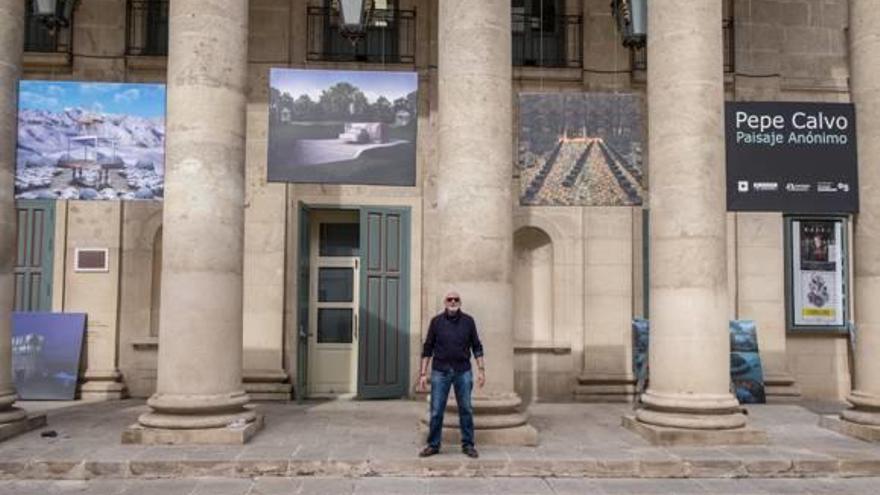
689,345
199,389
473,237
11,42
863,420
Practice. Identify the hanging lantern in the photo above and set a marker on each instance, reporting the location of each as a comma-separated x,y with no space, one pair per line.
632,21
353,18
54,13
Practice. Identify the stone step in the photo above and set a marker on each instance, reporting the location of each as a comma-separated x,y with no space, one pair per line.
448,464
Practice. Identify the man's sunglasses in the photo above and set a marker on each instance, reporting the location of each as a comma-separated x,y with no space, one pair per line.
452,299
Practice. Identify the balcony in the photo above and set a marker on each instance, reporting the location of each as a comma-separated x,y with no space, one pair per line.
547,41
147,28
639,56
390,38
39,39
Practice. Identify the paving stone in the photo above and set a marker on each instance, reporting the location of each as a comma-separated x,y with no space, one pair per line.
715,468
222,487
769,467
275,486
455,486
647,487
159,487
326,486
523,486
574,486
93,487
390,486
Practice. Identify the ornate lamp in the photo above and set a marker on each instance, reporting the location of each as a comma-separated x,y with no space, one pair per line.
54,13
353,18
632,21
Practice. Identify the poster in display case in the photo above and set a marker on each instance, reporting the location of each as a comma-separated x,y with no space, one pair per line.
816,273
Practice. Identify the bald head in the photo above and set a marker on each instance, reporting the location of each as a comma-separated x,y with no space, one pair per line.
452,302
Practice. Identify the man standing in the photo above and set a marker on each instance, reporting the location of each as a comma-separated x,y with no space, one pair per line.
452,336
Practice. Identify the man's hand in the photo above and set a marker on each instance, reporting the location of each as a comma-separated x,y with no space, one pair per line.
481,377
422,386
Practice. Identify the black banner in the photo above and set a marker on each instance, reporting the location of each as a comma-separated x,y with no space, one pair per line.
791,157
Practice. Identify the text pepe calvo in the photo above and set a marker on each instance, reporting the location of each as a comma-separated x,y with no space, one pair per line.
799,120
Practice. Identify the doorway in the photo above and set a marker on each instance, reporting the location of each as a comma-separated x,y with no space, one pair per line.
353,302
35,225
333,303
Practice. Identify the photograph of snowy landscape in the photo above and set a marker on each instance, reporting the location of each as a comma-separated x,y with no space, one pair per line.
93,141
342,127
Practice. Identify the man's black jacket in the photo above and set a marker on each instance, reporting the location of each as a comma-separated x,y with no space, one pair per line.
451,338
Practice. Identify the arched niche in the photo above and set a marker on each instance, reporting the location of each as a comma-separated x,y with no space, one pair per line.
533,286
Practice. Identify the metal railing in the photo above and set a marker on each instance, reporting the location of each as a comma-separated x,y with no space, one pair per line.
390,37
639,56
547,42
147,27
39,38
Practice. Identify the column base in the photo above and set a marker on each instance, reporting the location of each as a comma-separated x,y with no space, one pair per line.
102,391
837,424
103,385
781,389
594,388
24,424
230,435
268,385
497,421
668,436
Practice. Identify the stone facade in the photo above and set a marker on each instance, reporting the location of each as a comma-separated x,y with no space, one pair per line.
578,276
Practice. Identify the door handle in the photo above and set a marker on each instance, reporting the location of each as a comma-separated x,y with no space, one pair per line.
356,325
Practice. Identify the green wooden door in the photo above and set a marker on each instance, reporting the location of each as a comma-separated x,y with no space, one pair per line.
383,354
302,333
35,223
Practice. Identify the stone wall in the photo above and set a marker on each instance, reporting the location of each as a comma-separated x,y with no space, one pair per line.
590,257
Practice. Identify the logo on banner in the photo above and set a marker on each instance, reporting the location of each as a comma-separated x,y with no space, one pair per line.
765,186
742,186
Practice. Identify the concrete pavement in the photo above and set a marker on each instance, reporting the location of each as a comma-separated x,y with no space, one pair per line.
444,486
367,439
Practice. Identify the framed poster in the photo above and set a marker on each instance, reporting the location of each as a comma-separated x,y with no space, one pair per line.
90,141
816,273
581,149
342,127
46,352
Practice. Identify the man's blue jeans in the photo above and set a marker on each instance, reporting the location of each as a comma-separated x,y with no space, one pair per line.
463,383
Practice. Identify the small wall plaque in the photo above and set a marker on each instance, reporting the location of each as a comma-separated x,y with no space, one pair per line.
91,260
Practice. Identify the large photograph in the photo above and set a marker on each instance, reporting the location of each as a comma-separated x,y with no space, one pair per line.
95,141
581,149
342,127
46,351
746,372
818,273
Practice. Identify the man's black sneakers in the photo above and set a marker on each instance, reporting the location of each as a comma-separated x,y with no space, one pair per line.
429,451
470,451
